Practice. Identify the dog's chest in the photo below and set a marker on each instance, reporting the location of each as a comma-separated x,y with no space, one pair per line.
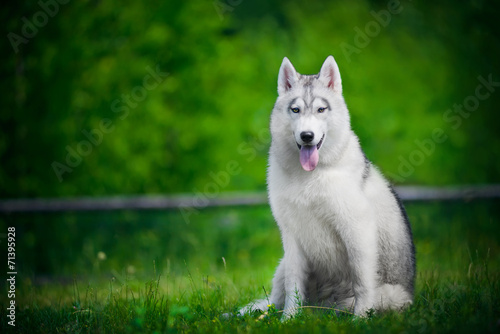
313,211
321,243
316,231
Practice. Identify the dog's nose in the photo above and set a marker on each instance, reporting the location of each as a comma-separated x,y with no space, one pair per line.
307,136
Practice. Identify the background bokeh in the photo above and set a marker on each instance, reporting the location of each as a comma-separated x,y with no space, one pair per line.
88,65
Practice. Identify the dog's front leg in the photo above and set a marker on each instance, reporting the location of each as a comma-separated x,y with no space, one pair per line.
361,245
295,266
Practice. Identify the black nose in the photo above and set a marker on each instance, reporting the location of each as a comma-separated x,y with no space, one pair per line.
307,136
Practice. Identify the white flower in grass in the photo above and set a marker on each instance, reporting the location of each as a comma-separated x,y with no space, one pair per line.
101,256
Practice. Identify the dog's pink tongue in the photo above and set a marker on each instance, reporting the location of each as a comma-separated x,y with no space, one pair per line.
309,157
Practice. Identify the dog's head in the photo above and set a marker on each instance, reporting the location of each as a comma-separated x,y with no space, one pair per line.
313,108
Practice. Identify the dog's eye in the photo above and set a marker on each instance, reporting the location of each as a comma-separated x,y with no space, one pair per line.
295,110
321,110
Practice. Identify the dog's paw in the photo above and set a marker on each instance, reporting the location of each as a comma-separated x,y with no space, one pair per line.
289,313
364,312
261,305
230,315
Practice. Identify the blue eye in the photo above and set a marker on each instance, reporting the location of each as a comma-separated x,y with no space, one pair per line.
321,110
295,110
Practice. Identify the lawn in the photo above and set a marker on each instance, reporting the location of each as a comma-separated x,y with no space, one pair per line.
130,272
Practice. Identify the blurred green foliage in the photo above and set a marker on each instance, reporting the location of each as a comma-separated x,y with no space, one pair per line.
90,62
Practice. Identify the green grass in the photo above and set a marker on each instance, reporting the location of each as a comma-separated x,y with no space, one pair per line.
163,275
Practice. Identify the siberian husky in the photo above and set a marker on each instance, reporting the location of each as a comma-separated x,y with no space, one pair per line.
346,237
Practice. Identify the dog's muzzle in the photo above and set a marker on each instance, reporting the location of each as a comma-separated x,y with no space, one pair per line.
309,155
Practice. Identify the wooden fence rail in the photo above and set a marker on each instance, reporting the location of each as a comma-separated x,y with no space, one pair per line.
172,202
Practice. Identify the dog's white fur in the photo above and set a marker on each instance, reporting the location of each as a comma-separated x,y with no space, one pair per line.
347,242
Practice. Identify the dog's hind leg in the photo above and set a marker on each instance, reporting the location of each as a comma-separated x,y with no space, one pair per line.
393,297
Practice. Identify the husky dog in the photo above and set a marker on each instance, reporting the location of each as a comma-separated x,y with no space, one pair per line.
346,236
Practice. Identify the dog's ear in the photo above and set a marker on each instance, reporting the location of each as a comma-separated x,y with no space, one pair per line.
330,75
287,76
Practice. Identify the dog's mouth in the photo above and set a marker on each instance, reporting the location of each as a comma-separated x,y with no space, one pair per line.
309,155
318,145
